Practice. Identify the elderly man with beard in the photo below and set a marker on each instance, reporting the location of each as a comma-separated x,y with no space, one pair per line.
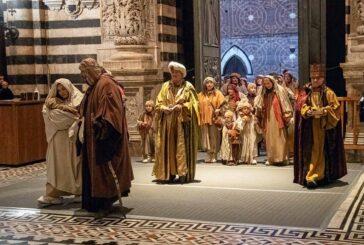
106,165
319,151
177,117
235,79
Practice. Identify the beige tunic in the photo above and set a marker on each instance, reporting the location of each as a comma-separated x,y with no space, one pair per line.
275,140
248,134
63,165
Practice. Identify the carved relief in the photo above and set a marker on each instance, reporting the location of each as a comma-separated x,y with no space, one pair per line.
211,67
132,111
127,21
360,12
72,8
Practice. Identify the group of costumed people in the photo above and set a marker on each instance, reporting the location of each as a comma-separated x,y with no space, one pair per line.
88,155
234,119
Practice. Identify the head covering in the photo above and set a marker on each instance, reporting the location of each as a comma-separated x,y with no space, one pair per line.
91,63
229,114
244,80
177,66
280,91
236,91
243,104
251,85
235,74
288,73
320,69
271,78
75,95
211,79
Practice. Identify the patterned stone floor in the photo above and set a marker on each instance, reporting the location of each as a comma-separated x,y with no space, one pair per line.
36,226
10,176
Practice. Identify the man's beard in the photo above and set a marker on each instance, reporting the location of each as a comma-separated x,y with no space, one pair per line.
89,80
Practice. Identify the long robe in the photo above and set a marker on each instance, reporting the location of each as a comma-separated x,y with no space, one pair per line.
147,134
275,130
105,140
63,164
249,143
229,150
208,103
319,150
176,134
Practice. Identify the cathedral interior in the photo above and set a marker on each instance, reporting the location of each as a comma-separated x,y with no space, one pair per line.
44,40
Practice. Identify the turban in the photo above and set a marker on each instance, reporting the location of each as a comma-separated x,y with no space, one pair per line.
177,66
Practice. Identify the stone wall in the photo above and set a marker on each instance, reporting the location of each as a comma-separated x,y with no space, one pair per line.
51,43
53,40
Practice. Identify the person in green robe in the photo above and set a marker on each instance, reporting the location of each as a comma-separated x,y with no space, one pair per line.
177,120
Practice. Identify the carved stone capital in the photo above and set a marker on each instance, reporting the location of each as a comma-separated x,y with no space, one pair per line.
127,22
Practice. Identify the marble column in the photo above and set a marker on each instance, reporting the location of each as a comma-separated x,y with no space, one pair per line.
129,51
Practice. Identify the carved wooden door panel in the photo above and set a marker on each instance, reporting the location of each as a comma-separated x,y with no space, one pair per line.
312,35
207,40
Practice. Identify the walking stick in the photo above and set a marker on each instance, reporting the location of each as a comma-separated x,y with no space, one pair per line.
117,187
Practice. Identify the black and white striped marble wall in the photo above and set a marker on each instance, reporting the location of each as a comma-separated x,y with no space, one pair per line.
52,42
170,32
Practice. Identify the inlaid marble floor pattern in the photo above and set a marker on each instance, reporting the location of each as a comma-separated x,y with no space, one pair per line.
39,226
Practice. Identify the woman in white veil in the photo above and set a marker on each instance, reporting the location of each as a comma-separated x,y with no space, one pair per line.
61,121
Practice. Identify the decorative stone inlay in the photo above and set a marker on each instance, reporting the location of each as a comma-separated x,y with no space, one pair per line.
34,226
72,8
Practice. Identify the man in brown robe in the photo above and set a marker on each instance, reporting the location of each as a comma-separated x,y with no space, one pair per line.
319,151
106,165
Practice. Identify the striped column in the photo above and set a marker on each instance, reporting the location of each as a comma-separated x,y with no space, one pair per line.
169,33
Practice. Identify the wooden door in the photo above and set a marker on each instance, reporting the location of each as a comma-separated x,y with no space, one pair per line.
207,40
312,35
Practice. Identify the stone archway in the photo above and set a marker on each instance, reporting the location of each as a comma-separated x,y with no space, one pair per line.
236,53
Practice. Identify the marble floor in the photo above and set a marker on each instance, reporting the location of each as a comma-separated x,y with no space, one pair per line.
341,222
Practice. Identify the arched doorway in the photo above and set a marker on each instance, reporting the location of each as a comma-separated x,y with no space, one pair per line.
235,60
